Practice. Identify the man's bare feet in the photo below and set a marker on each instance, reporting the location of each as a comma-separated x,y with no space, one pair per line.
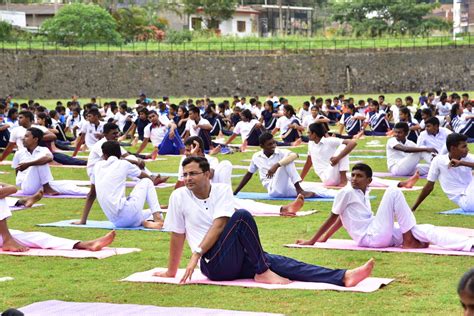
293,207
13,246
48,190
410,182
244,146
410,242
153,224
159,179
297,142
355,276
270,277
307,194
215,150
96,244
29,202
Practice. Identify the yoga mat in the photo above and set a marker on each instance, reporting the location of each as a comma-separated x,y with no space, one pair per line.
61,308
457,211
368,156
74,253
60,196
320,184
129,184
4,172
369,150
388,174
366,286
4,279
19,208
265,196
267,214
349,244
94,224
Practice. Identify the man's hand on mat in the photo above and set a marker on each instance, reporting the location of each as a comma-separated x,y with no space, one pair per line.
190,268
164,274
304,242
78,222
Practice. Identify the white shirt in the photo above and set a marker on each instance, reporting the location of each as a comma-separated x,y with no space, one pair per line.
192,216
213,163
395,114
353,206
302,114
262,163
443,109
95,155
244,128
437,141
256,111
89,131
283,122
321,152
190,124
454,180
17,135
72,122
155,134
121,119
109,177
393,155
23,155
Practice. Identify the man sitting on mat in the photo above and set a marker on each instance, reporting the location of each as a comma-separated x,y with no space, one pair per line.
18,241
352,210
226,242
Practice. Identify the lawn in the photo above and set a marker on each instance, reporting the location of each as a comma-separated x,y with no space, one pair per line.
424,284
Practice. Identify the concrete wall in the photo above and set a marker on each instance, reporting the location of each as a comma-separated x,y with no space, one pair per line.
58,76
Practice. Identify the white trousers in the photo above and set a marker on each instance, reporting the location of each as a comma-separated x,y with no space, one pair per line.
283,182
37,176
466,202
223,173
332,175
41,240
408,165
383,232
5,209
132,213
255,207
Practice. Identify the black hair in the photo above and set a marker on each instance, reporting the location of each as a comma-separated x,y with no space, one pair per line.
318,129
94,112
433,121
37,133
190,141
364,168
454,110
111,148
262,139
11,112
247,114
289,109
194,109
110,126
403,126
427,111
185,111
467,282
28,114
203,163
454,139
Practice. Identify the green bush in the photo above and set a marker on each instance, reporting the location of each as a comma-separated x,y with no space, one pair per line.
5,30
79,24
178,37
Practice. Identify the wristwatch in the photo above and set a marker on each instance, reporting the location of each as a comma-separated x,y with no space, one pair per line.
198,250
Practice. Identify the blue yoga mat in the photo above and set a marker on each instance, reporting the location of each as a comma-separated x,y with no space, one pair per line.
171,174
457,211
367,156
93,224
265,196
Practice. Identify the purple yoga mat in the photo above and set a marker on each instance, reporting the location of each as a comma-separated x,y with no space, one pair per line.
73,253
366,286
60,196
61,308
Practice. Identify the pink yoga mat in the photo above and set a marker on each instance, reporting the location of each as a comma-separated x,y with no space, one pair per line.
348,244
16,208
129,184
366,286
264,213
60,196
75,253
320,184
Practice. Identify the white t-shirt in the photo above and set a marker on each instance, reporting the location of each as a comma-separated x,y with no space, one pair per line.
109,177
256,111
262,163
283,122
454,180
192,216
393,155
353,206
213,163
17,135
321,153
443,109
244,128
95,155
121,119
437,141
190,124
395,114
302,114
72,122
155,134
23,155
90,132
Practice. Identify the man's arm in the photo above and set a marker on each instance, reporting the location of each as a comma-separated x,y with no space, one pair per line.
424,193
350,145
322,230
176,250
206,126
243,182
7,190
231,138
408,149
461,163
308,164
209,240
79,143
8,150
49,136
38,162
143,145
334,228
87,206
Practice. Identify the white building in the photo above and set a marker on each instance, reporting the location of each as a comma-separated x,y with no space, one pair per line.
14,18
463,16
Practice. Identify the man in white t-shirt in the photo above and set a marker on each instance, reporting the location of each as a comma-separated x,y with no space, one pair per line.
277,172
403,155
226,242
91,131
33,172
454,172
433,136
352,210
109,178
198,126
249,129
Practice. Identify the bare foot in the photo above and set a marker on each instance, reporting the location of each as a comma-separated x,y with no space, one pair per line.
153,225
297,142
410,242
48,190
293,207
307,194
14,246
358,135
215,150
304,242
96,244
159,179
29,202
410,182
243,148
270,277
355,276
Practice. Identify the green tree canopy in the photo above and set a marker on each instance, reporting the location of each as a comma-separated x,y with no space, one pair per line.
131,21
81,24
214,10
399,17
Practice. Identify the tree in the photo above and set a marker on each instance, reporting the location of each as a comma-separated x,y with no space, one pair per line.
377,17
214,10
81,24
131,22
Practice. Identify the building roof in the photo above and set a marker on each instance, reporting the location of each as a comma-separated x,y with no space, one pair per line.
39,9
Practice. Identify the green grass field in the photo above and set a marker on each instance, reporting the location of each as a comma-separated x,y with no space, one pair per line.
424,284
